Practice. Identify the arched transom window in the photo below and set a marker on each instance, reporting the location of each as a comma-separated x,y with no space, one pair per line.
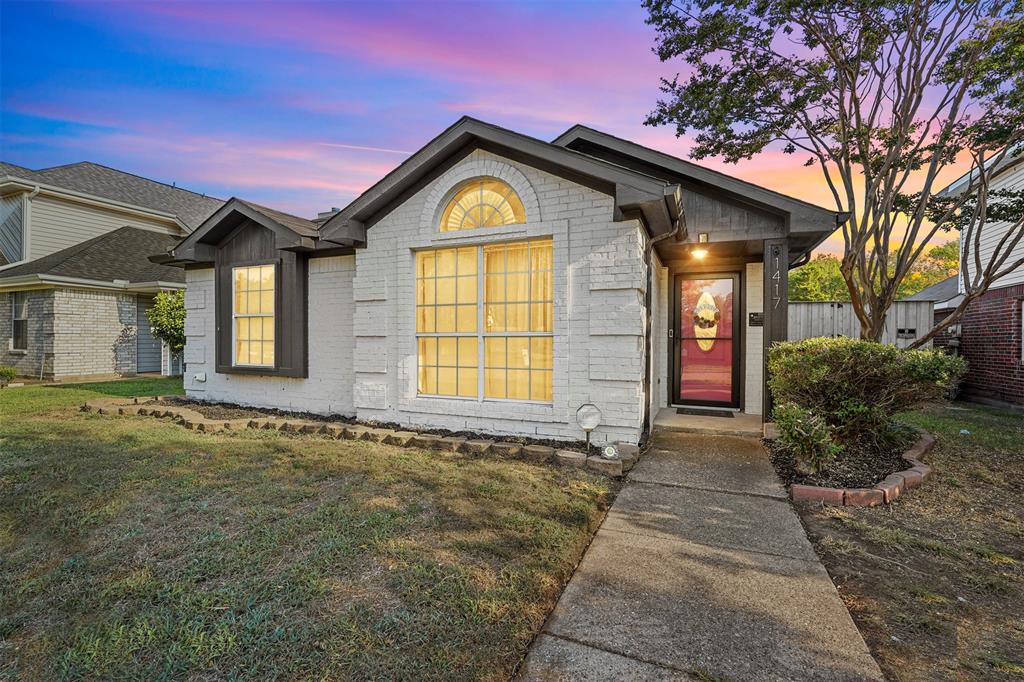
483,202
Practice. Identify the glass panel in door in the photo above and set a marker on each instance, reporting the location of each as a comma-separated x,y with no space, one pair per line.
706,340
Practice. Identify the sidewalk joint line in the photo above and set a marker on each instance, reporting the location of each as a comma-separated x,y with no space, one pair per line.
665,666
816,560
684,486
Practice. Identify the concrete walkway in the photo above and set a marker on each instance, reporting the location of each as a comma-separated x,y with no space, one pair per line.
700,571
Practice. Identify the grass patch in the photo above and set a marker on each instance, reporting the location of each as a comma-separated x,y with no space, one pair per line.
131,548
935,580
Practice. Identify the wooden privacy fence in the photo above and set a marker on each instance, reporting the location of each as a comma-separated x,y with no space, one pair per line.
907,320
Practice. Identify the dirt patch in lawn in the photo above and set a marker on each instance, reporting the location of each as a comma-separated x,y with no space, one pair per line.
935,581
855,468
220,410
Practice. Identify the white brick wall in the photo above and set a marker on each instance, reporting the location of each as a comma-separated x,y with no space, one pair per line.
362,319
598,269
94,332
754,351
659,343
327,390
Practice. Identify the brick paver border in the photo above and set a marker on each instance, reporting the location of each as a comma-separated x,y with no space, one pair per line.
881,493
164,406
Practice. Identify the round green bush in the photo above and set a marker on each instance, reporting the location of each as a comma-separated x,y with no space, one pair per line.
857,387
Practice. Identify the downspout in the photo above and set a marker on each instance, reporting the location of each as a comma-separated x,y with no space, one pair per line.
678,228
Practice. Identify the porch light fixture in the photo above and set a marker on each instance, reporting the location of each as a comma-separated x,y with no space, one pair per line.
700,254
588,417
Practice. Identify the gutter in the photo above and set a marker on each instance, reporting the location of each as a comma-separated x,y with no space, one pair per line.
30,281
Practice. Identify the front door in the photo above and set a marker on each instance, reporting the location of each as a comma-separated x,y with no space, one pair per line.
706,340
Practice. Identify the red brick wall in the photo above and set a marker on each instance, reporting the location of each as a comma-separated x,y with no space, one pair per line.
991,342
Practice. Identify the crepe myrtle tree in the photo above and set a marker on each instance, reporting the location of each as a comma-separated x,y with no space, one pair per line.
882,96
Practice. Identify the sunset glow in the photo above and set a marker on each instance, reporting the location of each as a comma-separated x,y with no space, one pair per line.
303,106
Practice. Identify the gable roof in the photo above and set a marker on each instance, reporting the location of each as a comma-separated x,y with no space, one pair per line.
96,180
938,292
306,228
122,254
804,216
637,193
290,232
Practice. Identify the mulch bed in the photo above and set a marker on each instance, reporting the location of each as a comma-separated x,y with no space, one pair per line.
226,411
861,468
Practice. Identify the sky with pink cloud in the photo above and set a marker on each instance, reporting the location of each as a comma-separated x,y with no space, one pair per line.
301,106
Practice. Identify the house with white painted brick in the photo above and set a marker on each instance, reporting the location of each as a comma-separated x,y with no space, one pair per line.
75,274
496,283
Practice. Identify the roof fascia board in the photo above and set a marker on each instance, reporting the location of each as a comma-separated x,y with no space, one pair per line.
91,200
966,181
468,134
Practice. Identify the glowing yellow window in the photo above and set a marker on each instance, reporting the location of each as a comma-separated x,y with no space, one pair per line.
446,322
253,315
484,321
484,202
518,321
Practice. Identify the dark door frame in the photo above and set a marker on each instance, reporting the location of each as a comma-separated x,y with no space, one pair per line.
675,342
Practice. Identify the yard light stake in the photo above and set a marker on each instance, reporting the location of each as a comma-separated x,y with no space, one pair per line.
588,417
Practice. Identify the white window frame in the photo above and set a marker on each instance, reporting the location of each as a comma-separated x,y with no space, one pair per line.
15,319
480,334
235,315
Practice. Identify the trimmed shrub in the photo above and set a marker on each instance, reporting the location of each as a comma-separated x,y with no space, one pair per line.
857,387
807,435
7,374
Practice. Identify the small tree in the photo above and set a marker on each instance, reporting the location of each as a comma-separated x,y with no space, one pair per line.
167,316
882,96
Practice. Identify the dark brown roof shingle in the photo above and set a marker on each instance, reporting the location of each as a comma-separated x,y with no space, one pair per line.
190,207
119,255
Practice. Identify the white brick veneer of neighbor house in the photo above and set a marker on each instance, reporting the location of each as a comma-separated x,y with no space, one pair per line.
95,332
364,360
74,332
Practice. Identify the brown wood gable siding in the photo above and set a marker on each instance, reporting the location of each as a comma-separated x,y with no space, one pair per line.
726,219
252,244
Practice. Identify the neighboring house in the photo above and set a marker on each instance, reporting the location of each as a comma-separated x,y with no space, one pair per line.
495,282
75,278
990,335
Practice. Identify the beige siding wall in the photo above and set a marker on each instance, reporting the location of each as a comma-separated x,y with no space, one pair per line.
991,234
11,221
59,223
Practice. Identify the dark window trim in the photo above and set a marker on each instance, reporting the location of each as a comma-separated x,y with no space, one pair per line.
257,369
291,287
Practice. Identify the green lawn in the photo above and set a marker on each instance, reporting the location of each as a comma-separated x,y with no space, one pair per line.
935,581
131,548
